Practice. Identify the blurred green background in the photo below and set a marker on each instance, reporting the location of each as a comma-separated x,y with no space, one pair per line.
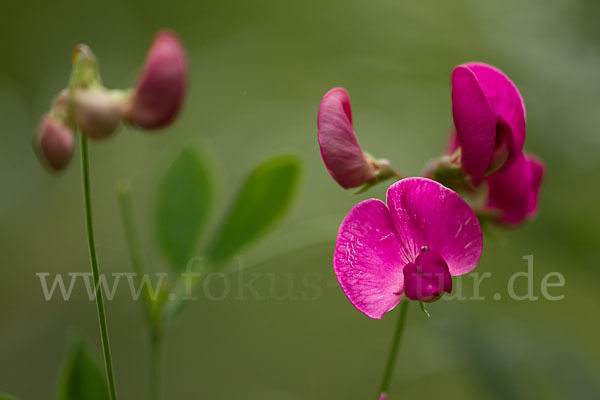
258,71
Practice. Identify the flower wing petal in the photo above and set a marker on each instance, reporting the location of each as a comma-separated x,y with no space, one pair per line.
514,191
367,260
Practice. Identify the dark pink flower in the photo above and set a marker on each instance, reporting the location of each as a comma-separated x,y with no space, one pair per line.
489,117
424,227
514,192
343,156
161,87
55,143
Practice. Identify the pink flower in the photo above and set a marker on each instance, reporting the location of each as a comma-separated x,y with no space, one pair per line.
343,156
384,251
489,117
161,88
514,192
55,143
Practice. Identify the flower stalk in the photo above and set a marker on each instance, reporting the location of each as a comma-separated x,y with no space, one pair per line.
152,307
87,200
155,365
393,354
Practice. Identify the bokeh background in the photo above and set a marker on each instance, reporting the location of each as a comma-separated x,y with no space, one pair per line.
258,71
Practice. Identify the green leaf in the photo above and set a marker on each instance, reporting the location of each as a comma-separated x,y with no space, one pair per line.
6,397
183,204
82,378
263,200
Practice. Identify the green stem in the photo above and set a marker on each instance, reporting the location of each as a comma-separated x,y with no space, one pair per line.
133,245
389,368
151,310
155,366
87,197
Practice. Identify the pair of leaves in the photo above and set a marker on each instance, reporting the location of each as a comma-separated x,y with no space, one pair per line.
185,199
82,378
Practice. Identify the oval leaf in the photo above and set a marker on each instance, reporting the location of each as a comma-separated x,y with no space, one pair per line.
6,397
263,200
183,203
82,378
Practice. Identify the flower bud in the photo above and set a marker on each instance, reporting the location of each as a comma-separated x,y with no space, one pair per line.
85,68
97,112
161,87
340,150
428,278
55,143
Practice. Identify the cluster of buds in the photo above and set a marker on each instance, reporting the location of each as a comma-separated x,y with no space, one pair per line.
428,230
97,112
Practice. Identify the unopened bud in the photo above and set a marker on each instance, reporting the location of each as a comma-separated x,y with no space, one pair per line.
160,90
85,68
345,160
97,112
55,143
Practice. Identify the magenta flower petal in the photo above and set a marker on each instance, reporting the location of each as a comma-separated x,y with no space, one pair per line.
368,259
474,121
161,87
342,154
505,99
427,214
428,278
489,116
514,192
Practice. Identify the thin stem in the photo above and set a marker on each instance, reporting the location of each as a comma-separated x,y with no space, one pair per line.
155,366
153,317
133,245
87,197
389,368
